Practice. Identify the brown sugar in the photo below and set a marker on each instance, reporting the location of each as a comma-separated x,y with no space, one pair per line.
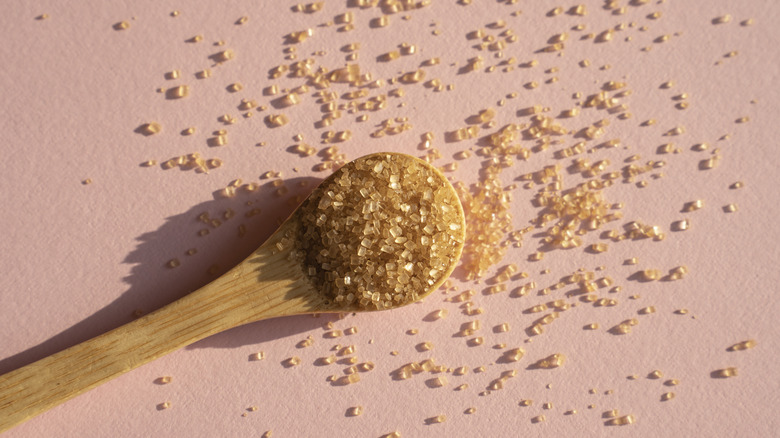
380,232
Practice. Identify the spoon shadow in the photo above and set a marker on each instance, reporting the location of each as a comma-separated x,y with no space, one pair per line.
244,223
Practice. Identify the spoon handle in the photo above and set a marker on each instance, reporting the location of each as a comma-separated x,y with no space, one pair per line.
265,285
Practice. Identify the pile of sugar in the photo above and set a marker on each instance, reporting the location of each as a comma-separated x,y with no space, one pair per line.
381,232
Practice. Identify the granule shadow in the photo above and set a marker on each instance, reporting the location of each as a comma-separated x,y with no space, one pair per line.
465,330
473,119
172,94
639,277
433,383
616,329
535,366
421,347
451,137
529,331
432,316
384,57
397,374
267,122
593,251
152,284
143,129
506,358
280,103
719,374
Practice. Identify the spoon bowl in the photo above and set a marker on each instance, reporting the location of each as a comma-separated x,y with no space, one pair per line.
383,231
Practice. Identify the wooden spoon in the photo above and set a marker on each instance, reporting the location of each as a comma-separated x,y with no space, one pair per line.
273,281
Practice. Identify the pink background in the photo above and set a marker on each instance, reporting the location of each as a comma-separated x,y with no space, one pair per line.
78,259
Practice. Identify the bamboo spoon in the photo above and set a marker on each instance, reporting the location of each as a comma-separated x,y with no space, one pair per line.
283,277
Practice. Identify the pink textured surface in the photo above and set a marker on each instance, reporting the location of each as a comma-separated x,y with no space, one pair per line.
78,259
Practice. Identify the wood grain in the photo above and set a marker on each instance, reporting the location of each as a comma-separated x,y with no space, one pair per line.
265,285
269,283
